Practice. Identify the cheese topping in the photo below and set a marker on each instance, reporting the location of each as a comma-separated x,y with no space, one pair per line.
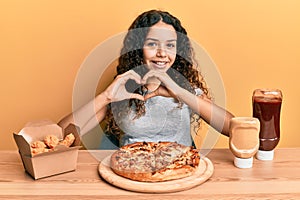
153,158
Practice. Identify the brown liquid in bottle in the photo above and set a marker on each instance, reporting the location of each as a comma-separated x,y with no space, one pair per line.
267,110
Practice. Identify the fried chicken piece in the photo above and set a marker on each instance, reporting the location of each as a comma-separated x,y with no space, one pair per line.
68,141
51,141
35,151
38,144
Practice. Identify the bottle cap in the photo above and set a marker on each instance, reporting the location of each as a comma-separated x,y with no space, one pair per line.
243,162
265,155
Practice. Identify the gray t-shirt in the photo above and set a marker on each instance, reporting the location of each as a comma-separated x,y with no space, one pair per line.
163,121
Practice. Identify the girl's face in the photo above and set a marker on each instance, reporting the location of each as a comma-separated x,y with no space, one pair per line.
159,49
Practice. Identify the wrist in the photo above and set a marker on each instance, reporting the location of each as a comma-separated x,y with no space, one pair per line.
181,93
102,99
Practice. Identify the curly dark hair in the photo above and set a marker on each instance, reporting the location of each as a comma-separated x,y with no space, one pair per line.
132,58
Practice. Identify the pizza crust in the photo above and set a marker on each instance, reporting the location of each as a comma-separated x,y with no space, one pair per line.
155,162
166,175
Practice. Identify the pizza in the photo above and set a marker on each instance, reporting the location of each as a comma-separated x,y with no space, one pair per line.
155,161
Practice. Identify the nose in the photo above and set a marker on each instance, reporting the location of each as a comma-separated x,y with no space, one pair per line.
161,52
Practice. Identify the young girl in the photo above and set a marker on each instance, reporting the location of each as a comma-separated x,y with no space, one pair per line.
157,92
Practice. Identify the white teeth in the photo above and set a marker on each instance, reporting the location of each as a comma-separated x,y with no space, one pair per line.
160,63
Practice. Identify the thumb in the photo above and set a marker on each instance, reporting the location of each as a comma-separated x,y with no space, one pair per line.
137,96
151,94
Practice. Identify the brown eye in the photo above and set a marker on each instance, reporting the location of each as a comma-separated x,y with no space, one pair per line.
171,45
151,44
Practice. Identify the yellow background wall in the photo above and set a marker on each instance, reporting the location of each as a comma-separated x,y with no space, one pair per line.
43,43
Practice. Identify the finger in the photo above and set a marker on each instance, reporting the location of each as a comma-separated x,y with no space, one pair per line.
158,75
150,95
157,92
137,96
148,75
133,73
134,76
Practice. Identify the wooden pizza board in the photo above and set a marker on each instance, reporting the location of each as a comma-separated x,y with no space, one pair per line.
203,173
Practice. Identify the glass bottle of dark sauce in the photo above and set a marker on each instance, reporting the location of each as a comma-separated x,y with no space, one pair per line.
266,107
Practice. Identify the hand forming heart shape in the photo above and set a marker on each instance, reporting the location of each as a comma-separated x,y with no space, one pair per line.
124,86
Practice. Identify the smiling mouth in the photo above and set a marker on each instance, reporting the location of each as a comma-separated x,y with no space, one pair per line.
159,64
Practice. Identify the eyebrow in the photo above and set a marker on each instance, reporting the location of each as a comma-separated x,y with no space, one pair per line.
154,39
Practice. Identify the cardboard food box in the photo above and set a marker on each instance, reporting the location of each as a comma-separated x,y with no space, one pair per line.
61,159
